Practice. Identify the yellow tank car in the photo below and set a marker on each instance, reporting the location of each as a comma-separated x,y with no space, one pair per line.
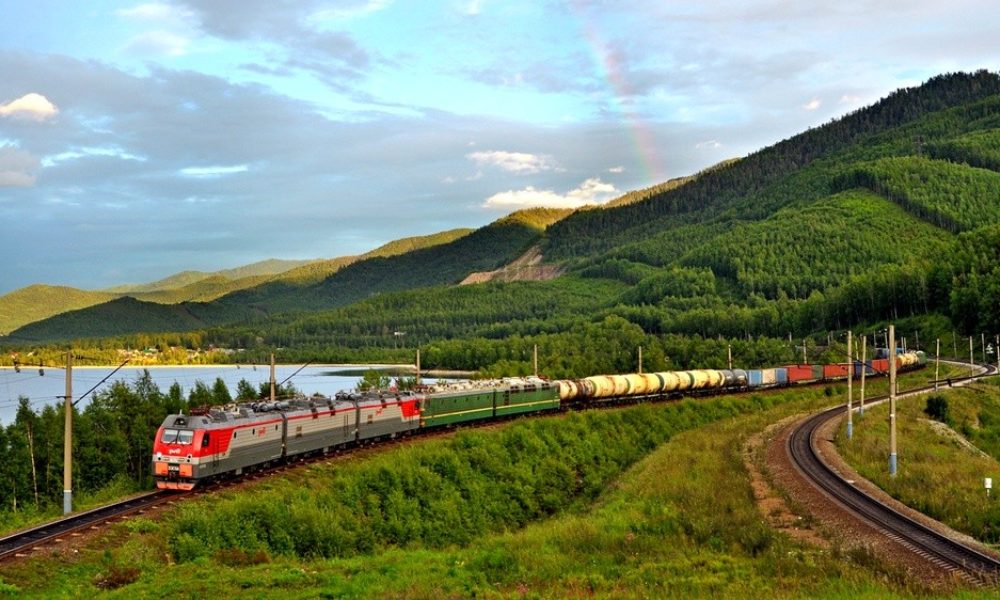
622,385
603,386
685,380
670,381
636,384
654,383
568,390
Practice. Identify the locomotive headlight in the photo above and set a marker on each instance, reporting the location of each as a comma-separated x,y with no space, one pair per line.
159,456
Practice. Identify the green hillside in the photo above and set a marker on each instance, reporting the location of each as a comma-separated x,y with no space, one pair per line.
37,302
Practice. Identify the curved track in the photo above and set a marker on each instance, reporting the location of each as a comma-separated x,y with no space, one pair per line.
25,540
969,562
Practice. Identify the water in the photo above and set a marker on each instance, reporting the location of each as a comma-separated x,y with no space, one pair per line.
48,388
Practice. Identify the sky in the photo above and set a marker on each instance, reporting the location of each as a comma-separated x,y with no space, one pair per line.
141,139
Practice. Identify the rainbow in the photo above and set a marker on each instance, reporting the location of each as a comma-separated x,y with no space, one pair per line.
610,70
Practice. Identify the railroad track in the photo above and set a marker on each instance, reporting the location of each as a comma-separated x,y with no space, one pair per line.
968,562
24,541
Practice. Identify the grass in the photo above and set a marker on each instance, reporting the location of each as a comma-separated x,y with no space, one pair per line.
679,521
937,474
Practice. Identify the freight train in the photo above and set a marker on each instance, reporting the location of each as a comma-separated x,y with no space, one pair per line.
216,442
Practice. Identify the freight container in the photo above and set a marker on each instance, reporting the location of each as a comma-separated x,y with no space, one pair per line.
781,376
754,377
880,365
835,371
798,373
817,372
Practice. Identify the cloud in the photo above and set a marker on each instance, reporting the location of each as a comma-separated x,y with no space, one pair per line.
618,169
708,145
17,167
149,12
514,162
157,43
212,171
591,191
35,107
812,104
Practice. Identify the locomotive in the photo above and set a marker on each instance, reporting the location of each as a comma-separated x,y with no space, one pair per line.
233,439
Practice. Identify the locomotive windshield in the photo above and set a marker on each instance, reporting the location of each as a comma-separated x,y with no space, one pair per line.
177,436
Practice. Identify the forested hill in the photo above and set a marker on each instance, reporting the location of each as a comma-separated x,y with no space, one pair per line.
750,188
444,258
865,218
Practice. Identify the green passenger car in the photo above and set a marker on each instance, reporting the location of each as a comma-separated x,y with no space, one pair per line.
475,401
526,395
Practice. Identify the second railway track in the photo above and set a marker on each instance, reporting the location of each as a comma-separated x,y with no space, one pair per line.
971,563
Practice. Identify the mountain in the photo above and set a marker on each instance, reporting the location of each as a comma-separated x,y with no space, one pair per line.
38,302
806,234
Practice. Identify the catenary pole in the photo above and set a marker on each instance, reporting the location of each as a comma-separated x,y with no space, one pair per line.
850,389
864,371
937,365
272,378
68,439
892,400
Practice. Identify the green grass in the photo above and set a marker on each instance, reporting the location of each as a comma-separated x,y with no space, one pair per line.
937,475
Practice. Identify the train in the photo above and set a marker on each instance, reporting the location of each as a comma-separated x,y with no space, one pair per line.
211,443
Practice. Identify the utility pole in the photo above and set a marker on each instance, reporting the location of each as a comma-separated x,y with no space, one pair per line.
864,370
68,439
535,360
983,335
892,400
640,360
272,378
850,390
418,367
729,352
805,360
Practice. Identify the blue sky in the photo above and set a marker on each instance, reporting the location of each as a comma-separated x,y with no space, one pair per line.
141,139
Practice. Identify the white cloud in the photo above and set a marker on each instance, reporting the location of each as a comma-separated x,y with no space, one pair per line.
216,171
116,152
148,12
35,107
159,43
472,8
618,169
17,167
850,99
349,12
591,191
515,162
812,104
708,145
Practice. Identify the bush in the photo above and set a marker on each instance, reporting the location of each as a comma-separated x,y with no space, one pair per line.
937,408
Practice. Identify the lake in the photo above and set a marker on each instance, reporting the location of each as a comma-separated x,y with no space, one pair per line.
48,388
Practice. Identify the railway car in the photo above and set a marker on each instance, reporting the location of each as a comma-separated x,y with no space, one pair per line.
457,403
190,449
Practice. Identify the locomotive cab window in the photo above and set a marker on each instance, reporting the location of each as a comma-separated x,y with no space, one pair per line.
177,436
